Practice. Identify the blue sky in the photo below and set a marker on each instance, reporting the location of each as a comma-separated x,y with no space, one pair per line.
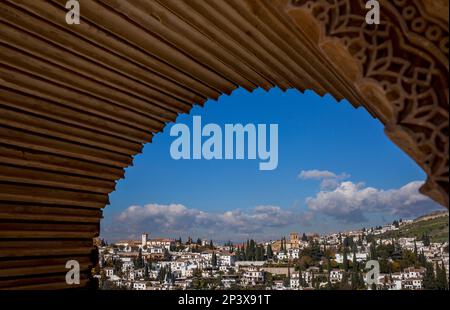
353,176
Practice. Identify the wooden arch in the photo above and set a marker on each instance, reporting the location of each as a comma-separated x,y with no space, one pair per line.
78,101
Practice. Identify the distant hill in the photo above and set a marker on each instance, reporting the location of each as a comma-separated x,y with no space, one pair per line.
431,216
434,224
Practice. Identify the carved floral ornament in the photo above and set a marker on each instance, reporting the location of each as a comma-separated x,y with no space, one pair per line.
399,66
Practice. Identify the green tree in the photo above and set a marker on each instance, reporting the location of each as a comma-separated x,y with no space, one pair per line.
415,249
355,275
269,252
239,254
345,259
304,237
287,280
344,281
268,280
426,239
429,280
422,260
139,261
441,277
146,274
166,255
161,274
329,285
259,253
214,259
373,250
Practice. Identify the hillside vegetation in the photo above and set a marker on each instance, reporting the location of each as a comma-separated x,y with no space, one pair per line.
436,228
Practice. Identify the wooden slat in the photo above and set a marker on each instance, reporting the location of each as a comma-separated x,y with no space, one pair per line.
67,78
134,60
15,174
46,108
62,131
52,53
47,161
33,85
43,213
49,195
39,142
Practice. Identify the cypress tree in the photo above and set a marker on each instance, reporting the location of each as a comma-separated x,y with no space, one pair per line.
345,260
344,281
422,260
426,239
259,253
146,275
373,251
429,280
304,237
269,252
329,285
139,262
252,250
441,277
355,276
415,249
300,278
247,250
214,259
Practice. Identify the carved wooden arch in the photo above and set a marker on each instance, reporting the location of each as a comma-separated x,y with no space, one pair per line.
400,66
77,102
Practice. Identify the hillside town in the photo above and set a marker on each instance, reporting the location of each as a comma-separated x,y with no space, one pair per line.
299,262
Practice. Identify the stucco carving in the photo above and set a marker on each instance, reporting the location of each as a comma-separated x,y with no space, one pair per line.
402,68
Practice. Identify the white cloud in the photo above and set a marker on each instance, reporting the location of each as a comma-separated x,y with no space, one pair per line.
316,174
177,219
342,202
329,180
351,202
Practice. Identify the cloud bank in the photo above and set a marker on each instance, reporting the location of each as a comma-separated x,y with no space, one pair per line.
177,219
353,202
338,203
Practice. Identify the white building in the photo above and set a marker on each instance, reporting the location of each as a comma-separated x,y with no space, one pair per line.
227,259
295,281
140,285
253,276
413,273
336,275
360,257
109,271
412,284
